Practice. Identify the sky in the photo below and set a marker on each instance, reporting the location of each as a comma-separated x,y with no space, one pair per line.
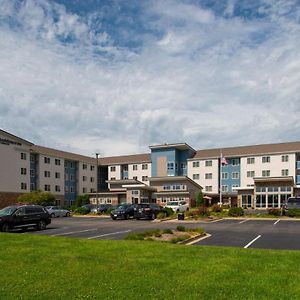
117,76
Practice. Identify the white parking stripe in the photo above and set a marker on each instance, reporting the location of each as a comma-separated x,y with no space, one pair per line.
72,232
243,221
107,234
276,222
252,242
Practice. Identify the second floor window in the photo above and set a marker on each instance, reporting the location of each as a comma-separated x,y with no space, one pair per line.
47,160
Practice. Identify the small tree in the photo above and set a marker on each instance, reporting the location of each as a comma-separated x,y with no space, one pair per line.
199,199
38,198
82,199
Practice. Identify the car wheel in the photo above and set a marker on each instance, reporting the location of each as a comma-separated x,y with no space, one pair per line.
53,215
6,227
67,214
114,218
41,225
137,218
125,216
153,216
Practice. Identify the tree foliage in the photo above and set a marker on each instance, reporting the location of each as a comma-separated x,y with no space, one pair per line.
82,199
38,198
199,199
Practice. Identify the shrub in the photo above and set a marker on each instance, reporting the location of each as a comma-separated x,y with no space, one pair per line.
179,239
216,208
81,210
169,211
168,231
225,206
180,228
203,211
293,212
274,211
198,230
161,215
236,212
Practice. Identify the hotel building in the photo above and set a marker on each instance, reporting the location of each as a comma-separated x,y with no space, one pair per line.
258,176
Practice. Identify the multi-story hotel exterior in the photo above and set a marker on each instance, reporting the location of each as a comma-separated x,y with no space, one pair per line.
259,176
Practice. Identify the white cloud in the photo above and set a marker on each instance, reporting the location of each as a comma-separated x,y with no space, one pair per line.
204,79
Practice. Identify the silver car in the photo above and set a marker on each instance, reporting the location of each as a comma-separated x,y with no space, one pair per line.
56,211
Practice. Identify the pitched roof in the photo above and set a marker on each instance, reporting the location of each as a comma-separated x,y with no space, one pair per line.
15,137
248,150
125,159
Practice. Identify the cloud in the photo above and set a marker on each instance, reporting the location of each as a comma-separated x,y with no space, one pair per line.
205,75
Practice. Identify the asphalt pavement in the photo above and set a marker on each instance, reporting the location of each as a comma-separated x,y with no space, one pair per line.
244,233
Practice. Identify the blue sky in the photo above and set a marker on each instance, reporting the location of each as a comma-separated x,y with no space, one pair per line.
117,76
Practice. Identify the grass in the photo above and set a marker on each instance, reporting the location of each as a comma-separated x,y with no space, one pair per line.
41,267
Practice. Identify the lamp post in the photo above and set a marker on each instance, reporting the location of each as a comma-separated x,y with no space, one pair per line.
97,155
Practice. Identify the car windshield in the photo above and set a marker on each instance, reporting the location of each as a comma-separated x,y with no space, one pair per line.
122,207
7,210
173,203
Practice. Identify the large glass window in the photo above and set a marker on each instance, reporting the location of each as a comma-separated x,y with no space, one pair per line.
246,201
272,200
260,201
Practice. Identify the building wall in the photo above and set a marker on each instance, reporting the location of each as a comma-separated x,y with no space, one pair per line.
11,163
116,174
86,178
140,173
202,170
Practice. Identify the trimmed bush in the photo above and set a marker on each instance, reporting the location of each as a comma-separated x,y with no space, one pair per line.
168,231
216,208
180,228
169,211
236,212
161,215
81,211
203,211
274,211
293,212
179,239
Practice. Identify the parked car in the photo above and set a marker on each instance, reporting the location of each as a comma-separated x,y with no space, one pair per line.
291,203
124,211
56,211
24,216
148,211
88,207
178,206
101,208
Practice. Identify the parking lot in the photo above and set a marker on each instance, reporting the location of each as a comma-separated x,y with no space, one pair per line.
244,233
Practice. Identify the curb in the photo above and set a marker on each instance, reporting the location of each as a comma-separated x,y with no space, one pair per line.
195,239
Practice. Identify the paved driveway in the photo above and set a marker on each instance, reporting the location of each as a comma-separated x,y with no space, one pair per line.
245,233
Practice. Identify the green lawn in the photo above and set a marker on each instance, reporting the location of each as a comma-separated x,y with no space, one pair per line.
41,267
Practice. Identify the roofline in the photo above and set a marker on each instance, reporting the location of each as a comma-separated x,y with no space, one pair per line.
17,137
174,178
174,145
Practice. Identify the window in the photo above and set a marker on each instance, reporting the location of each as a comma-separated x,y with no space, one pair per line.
23,171
57,175
32,173
144,166
66,164
235,186
23,155
166,187
285,172
235,175
135,192
32,158
92,179
84,166
250,160
144,178
66,189
71,189
265,173
250,173
224,175
265,159
225,188
196,176
84,178
47,160
57,188
23,186
284,158
235,161
134,177
92,168
113,169
208,188
183,165
47,187
170,166
71,165
47,174
208,176
113,178
196,164
57,162
71,177
134,167
208,163
246,201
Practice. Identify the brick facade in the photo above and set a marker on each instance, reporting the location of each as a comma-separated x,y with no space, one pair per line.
8,198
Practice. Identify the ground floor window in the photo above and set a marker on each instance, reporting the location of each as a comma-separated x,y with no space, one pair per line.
272,200
246,201
260,201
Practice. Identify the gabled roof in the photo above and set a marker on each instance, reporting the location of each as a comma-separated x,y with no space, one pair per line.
278,148
15,137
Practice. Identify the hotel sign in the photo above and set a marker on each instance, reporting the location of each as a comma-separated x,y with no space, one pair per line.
9,142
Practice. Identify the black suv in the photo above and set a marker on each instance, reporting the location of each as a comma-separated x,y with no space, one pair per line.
124,211
23,216
148,211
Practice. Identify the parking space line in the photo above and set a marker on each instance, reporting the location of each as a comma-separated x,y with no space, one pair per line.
214,221
276,222
72,232
243,221
107,234
249,244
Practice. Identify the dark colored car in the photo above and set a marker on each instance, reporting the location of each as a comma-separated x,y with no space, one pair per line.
148,211
291,203
124,211
24,216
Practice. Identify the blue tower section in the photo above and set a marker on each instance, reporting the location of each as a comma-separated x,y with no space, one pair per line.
231,174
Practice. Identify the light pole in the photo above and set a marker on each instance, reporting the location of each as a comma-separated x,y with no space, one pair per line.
97,155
